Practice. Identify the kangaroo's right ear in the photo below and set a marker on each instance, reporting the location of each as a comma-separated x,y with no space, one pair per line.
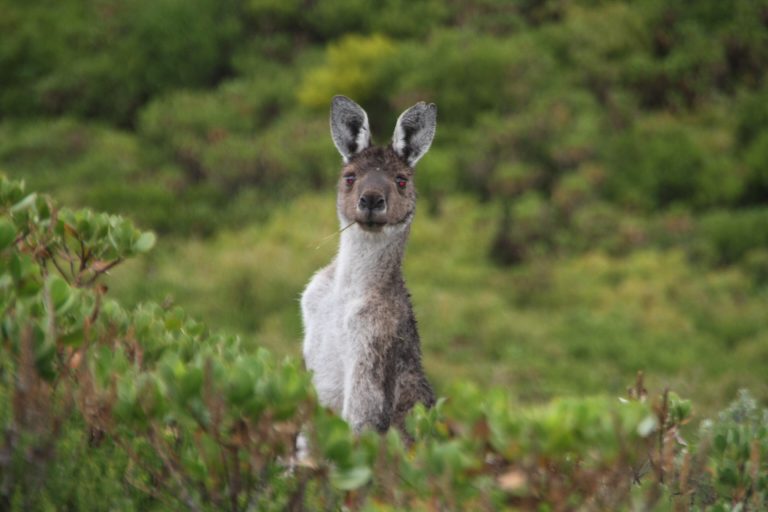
349,127
414,132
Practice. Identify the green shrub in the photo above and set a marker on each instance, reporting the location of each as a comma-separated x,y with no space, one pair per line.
336,18
488,74
355,66
729,235
91,165
738,462
752,117
105,60
241,137
756,159
662,165
507,156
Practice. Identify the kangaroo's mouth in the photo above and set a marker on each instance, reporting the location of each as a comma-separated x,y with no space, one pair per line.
371,226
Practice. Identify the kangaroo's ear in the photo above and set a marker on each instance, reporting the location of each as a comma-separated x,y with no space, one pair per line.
414,132
349,127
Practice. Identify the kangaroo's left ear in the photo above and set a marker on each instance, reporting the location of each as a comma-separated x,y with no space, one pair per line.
414,132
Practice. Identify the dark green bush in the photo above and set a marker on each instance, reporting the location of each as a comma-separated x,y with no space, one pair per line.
489,74
756,160
752,120
90,165
730,235
105,60
332,19
738,462
663,165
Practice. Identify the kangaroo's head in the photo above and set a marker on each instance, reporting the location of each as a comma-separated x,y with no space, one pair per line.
376,188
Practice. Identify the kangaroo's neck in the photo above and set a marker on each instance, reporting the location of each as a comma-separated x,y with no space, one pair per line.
370,260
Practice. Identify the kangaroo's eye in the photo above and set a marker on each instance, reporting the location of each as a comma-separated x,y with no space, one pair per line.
349,179
401,182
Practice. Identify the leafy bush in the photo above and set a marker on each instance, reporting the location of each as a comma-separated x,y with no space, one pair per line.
756,159
354,67
489,74
661,165
335,18
731,235
88,165
738,463
234,142
105,60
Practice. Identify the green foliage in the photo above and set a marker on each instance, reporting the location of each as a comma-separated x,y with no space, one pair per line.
738,463
104,169
484,76
662,165
104,60
731,235
354,67
756,159
334,18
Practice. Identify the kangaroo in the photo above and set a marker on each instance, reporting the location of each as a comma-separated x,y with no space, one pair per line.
360,338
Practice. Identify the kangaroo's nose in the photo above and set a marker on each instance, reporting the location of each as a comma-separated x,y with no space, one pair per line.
372,202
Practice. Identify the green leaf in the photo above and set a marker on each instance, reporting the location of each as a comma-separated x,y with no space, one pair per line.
145,242
350,479
73,338
25,203
728,476
7,233
720,442
120,235
59,290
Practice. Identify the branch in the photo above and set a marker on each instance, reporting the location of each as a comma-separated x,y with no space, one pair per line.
169,464
61,271
107,268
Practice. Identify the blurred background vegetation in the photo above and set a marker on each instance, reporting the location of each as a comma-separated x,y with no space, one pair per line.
595,201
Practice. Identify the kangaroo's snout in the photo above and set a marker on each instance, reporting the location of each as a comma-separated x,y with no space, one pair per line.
372,202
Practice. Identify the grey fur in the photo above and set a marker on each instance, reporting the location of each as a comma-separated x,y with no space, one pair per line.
414,132
349,127
361,340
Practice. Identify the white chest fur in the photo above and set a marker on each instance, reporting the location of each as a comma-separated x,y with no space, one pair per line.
335,336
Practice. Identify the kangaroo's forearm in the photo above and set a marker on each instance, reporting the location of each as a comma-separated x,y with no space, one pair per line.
370,389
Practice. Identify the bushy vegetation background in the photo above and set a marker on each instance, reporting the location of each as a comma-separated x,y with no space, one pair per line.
595,203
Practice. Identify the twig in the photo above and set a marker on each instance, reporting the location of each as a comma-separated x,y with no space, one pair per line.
50,331
663,417
134,459
61,271
104,270
83,257
69,257
21,237
169,464
326,238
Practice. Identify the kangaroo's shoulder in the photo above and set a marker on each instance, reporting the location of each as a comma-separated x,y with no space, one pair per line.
318,287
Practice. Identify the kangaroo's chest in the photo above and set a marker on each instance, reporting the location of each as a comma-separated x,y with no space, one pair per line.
335,330
335,338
